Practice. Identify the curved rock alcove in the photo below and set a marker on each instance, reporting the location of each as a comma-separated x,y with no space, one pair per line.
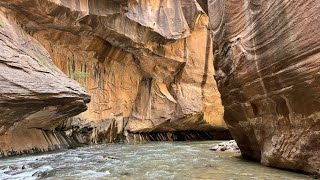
147,65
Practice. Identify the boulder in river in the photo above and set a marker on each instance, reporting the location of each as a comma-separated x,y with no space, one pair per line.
229,146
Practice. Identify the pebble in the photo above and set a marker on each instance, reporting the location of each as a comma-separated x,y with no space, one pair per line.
12,167
109,157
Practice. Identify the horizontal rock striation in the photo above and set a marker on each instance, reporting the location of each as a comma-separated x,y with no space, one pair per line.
35,95
267,62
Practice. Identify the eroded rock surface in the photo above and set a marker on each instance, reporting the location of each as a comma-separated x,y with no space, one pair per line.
35,95
148,65
267,68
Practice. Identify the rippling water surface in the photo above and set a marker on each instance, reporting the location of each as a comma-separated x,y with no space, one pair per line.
155,160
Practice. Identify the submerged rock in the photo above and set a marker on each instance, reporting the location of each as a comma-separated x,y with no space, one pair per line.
105,157
43,174
13,167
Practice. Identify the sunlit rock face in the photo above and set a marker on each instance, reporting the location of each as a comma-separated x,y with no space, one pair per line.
35,95
147,65
267,64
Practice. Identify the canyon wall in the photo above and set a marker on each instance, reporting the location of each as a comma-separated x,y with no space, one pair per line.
34,94
267,62
147,65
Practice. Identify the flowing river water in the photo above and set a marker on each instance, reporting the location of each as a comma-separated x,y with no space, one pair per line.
154,160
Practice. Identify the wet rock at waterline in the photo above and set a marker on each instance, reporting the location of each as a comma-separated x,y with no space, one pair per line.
267,62
228,146
115,131
35,95
12,167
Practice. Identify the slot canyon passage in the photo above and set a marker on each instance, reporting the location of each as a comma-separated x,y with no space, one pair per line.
100,81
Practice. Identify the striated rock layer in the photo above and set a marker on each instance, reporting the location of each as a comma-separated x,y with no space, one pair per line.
35,95
267,61
148,65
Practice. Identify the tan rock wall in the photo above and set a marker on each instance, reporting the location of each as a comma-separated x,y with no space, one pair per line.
147,64
35,95
148,90
109,74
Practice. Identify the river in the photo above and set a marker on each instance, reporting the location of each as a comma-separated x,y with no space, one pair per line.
154,160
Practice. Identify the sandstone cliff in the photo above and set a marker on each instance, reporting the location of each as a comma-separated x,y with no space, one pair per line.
267,61
34,94
148,65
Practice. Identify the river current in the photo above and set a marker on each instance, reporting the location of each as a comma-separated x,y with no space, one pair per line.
153,160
